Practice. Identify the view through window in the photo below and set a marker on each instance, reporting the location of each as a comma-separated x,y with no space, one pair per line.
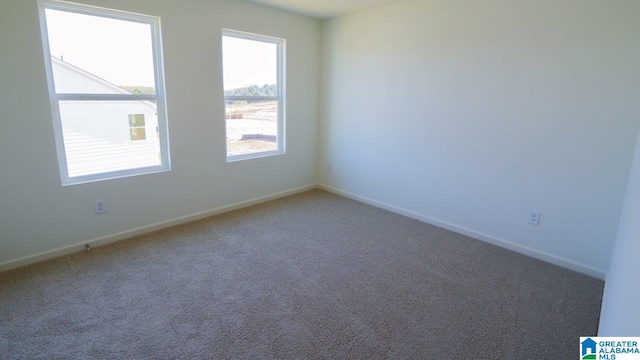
137,130
104,69
253,90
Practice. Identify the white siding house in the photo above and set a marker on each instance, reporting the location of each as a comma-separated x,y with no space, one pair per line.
104,136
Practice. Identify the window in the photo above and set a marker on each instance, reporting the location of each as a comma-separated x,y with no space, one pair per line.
137,131
253,69
106,85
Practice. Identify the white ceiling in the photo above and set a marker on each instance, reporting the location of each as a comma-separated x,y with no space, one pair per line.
323,9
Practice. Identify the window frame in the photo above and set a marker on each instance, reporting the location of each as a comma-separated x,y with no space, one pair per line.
144,128
55,98
280,98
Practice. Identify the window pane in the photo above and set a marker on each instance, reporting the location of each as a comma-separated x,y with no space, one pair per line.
252,126
250,67
136,120
137,134
98,138
99,55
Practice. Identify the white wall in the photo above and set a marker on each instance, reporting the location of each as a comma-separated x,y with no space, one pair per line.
469,113
620,311
37,214
97,136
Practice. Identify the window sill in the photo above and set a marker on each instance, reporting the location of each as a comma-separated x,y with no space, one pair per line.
113,175
236,158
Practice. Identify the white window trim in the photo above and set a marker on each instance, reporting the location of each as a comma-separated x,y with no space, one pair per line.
55,98
137,127
281,98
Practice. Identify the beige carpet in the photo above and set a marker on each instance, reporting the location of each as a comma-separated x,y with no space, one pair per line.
312,276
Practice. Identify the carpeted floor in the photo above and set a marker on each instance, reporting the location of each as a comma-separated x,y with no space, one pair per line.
312,276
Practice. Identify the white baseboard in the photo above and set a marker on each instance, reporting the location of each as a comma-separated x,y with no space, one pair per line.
541,255
537,254
46,255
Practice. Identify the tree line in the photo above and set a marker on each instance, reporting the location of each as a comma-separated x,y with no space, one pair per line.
253,90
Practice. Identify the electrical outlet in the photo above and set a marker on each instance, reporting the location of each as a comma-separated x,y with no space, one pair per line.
100,206
534,217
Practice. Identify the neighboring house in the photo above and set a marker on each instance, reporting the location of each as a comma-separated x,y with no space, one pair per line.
98,134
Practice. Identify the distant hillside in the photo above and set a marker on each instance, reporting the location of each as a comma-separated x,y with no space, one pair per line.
140,90
254,90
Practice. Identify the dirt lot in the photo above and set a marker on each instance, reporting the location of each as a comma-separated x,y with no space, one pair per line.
251,120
